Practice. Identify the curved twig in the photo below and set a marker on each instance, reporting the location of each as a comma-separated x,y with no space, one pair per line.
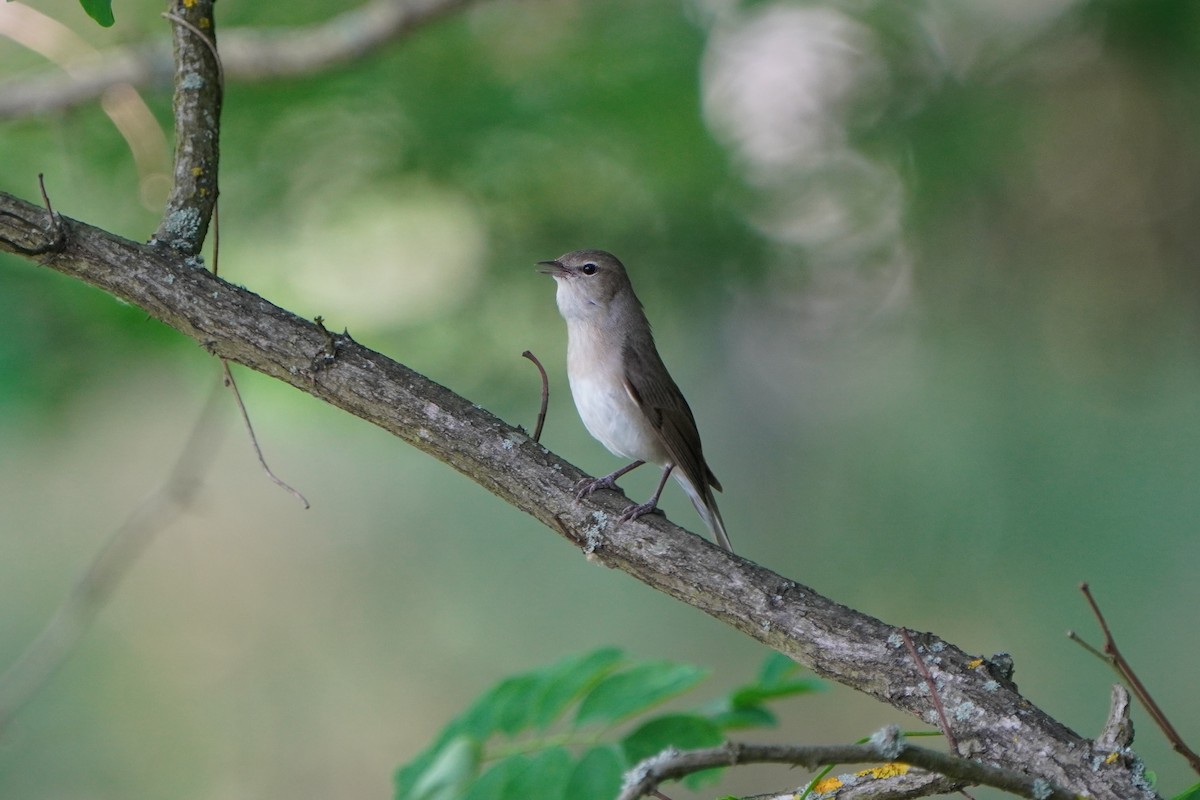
541,417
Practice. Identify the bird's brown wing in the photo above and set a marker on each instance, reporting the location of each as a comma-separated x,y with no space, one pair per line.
664,405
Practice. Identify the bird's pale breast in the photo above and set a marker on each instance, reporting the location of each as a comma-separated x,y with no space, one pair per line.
605,406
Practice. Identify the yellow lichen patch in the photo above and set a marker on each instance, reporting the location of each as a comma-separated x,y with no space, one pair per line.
1112,758
975,663
205,22
890,770
826,785
189,3
197,172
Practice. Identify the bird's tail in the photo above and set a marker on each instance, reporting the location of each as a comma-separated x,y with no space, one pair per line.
706,507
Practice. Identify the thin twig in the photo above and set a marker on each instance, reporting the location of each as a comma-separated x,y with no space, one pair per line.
34,667
1125,670
45,196
56,223
1077,639
933,690
541,417
254,439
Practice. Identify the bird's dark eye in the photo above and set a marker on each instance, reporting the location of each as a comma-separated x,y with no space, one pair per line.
588,269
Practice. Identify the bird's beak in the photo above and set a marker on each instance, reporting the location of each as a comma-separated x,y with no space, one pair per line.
553,268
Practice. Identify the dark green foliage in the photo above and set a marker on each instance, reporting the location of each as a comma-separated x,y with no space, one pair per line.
99,10
501,747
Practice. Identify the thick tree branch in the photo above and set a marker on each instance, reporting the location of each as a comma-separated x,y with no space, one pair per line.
247,55
991,721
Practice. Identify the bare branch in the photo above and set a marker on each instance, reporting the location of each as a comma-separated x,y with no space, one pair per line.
247,55
73,618
198,94
887,746
990,719
1125,670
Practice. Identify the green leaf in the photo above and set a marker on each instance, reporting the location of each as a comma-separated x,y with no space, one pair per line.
598,774
568,679
636,689
504,708
776,667
775,679
1189,794
521,777
445,775
681,731
493,784
514,702
544,777
743,717
755,695
99,10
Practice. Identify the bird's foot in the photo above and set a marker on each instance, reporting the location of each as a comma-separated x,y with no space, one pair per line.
589,485
640,510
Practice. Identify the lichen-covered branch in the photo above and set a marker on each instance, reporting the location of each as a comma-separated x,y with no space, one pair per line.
990,720
886,746
198,95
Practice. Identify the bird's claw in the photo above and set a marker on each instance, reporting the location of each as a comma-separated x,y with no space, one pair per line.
589,485
639,510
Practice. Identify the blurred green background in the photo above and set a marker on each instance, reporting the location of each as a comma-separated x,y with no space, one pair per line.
927,272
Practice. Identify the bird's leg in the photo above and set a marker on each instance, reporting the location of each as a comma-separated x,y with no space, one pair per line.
633,512
588,485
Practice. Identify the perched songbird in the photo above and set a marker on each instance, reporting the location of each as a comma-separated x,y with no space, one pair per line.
624,393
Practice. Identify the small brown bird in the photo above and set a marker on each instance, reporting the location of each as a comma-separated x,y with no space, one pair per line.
623,392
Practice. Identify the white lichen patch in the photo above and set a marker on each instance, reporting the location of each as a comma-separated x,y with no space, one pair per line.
965,710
